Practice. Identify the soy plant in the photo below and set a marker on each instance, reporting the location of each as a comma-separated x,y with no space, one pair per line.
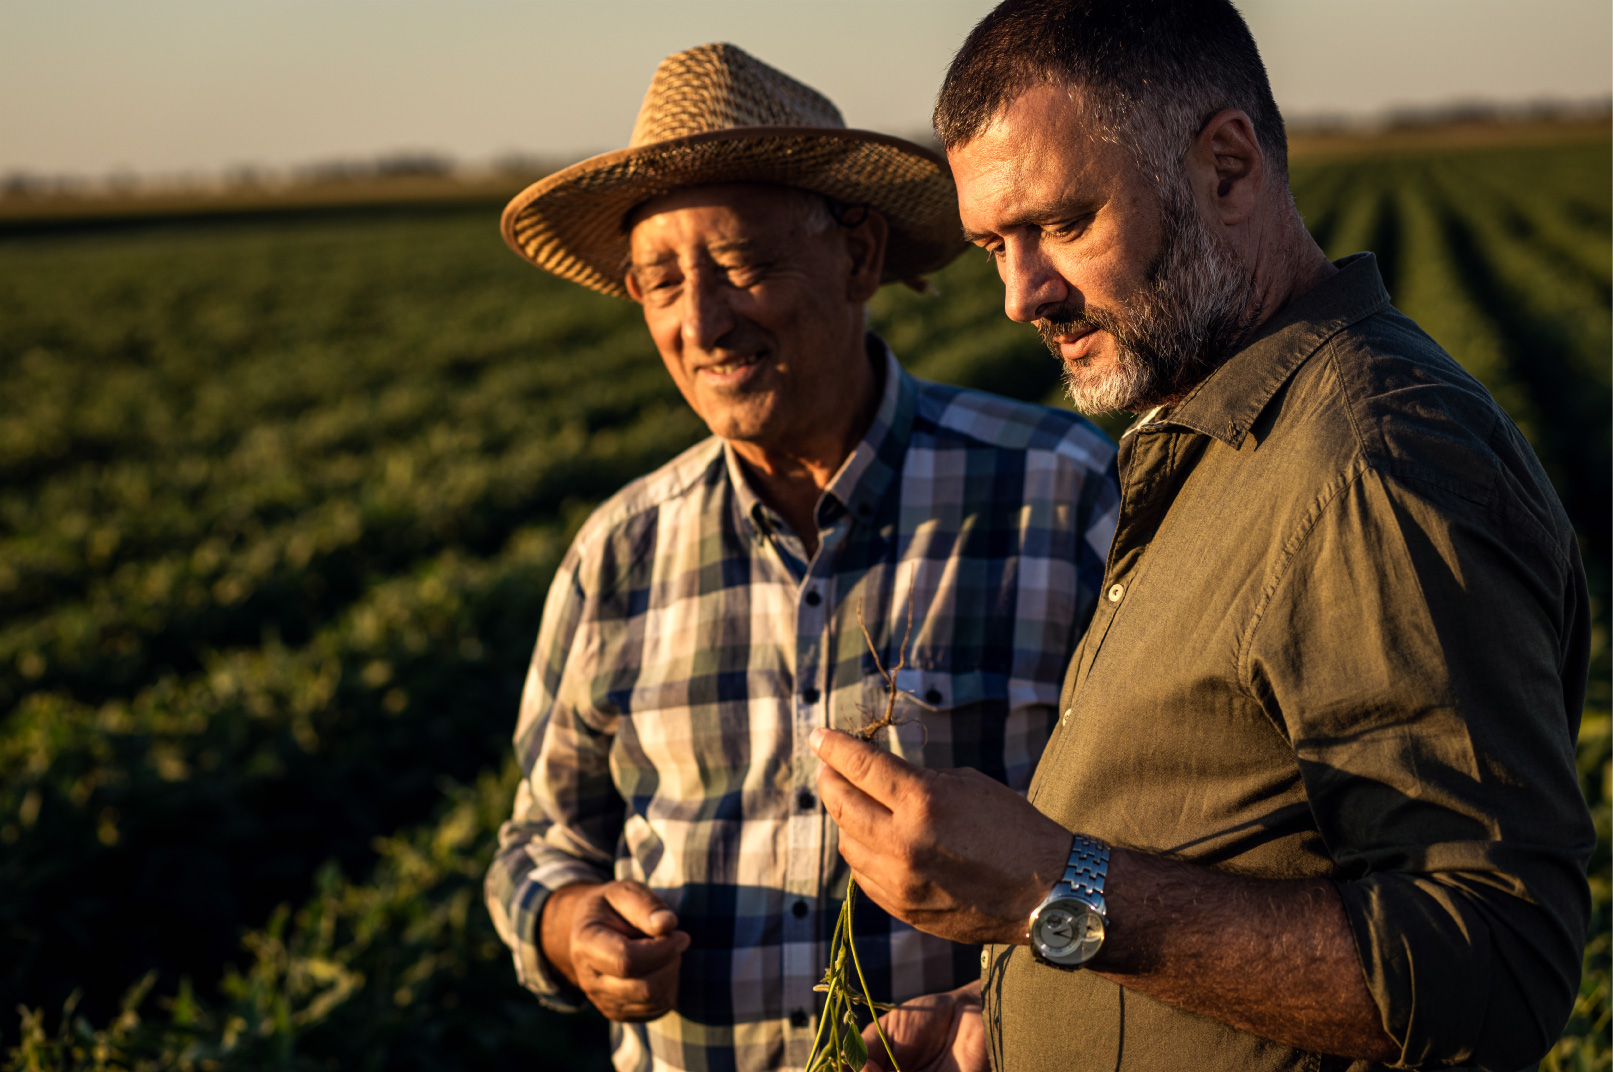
839,1043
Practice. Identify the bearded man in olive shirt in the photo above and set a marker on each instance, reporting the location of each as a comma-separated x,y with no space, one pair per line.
1312,799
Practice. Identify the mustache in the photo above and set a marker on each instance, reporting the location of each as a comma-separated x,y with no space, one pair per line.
1068,320
1063,322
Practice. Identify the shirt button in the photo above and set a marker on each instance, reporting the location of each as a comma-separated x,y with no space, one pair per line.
985,958
813,598
1116,592
809,694
933,697
798,1017
1066,717
799,909
806,799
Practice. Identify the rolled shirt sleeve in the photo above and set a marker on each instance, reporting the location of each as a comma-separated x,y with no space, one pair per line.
568,814
1425,654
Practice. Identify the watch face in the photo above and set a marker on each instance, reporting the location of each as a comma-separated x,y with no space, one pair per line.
1068,932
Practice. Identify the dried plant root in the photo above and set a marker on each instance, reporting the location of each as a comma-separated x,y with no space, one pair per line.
874,725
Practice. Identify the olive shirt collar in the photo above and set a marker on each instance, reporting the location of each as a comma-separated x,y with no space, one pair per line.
1227,403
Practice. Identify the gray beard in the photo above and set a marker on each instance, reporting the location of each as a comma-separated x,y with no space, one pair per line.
1196,303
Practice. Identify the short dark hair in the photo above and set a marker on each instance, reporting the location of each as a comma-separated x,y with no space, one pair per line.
1151,72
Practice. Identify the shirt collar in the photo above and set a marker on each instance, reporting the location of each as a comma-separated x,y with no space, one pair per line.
867,473
1228,402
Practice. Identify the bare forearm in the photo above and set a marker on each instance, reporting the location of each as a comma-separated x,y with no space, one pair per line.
1272,957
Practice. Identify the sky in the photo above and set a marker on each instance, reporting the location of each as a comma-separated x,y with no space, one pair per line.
177,87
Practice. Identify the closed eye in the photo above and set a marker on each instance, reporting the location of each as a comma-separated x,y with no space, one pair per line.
1070,228
746,274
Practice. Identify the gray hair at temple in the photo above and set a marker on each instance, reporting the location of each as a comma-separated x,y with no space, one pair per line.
1151,72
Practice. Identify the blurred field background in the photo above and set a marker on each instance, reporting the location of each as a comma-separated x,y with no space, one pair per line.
282,485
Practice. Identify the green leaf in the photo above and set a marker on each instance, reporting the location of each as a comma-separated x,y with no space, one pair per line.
855,1053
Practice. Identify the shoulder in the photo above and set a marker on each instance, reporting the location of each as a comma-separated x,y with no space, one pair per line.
962,417
622,526
1419,419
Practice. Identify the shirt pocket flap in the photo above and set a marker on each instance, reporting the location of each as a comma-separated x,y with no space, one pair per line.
940,690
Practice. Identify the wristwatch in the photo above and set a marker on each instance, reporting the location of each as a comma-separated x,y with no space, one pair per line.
1067,928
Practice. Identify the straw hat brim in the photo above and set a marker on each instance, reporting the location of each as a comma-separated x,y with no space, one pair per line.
571,223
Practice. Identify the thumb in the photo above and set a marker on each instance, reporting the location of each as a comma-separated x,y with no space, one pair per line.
641,909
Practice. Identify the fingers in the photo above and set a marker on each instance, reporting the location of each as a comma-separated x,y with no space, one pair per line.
627,972
641,909
599,945
644,998
860,816
918,1030
877,773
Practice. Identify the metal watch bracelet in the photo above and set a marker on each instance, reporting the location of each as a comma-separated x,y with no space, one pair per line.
1085,871
1067,929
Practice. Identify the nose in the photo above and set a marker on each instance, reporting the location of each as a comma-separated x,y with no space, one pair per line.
1031,284
707,316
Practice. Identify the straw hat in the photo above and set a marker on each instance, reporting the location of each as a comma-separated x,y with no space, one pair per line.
717,114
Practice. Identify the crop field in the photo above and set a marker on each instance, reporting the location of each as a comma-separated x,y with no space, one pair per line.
281,494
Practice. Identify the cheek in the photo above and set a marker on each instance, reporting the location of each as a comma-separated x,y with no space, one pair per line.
666,331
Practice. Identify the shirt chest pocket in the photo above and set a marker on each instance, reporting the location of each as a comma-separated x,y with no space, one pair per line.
944,718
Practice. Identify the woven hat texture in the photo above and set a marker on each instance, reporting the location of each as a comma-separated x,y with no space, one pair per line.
717,114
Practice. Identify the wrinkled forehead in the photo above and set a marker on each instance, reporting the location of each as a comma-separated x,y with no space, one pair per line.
1039,157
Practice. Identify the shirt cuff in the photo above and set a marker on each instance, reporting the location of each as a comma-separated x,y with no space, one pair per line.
554,990
525,936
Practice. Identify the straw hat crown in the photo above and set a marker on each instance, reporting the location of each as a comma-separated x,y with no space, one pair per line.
716,114
718,87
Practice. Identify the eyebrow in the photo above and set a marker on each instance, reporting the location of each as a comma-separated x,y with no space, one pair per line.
738,245
1037,215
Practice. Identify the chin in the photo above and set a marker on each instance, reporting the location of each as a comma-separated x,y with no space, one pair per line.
1112,389
741,425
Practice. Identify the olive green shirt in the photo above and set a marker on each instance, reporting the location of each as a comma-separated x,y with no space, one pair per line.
1344,633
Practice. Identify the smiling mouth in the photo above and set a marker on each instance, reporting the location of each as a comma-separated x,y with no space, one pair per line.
729,368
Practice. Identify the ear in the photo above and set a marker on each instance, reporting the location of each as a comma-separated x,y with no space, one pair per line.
631,281
1226,167
865,244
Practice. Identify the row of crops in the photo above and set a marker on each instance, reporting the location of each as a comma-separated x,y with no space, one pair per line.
279,502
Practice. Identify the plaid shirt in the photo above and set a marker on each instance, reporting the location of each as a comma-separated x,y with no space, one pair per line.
689,646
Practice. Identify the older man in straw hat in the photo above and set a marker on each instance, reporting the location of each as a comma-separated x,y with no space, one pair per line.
668,859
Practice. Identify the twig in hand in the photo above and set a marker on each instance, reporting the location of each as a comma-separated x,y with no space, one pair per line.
867,731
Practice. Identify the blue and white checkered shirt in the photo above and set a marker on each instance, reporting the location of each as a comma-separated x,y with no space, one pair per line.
689,646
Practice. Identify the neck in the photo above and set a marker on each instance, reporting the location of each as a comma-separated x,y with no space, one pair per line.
1288,262
791,476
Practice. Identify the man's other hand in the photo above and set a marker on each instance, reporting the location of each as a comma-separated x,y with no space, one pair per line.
951,852
933,1033
618,943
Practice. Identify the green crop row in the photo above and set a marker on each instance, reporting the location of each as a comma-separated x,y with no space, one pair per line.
401,972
